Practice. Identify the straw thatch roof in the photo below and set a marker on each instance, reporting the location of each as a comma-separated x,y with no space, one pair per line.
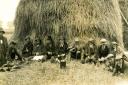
69,18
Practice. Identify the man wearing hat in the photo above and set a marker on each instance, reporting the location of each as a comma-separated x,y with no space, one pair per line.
103,50
90,51
62,46
62,49
116,49
3,47
38,46
118,58
28,47
76,49
49,47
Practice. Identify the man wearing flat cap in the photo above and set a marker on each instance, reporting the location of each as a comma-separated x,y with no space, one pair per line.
38,46
3,47
49,47
118,53
103,50
90,51
27,48
75,49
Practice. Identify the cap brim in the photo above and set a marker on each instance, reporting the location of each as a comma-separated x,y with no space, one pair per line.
103,42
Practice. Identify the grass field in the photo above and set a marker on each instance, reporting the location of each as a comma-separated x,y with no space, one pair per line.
38,73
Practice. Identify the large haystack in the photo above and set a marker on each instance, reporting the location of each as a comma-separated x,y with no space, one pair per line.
124,12
69,18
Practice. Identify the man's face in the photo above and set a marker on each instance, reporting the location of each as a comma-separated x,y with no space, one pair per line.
103,43
61,42
77,42
114,46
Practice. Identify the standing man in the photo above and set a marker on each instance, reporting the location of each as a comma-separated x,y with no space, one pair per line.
3,47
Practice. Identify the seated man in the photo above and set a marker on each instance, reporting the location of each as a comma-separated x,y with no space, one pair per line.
13,58
12,53
49,47
90,51
38,46
28,47
103,50
62,51
62,47
76,50
118,53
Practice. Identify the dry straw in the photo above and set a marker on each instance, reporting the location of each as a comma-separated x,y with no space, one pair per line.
69,18
124,13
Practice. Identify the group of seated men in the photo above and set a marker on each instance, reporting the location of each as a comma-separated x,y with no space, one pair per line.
109,54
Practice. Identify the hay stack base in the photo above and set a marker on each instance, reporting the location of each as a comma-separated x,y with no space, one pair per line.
69,18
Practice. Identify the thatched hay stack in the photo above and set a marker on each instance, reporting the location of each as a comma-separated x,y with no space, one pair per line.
69,18
124,12
124,7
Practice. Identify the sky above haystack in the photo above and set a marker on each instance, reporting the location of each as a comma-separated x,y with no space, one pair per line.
7,11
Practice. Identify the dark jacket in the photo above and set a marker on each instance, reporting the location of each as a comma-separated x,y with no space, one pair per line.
62,49
12,53
50,46
38,48
103,51
3,49
76,51
90,49
28,48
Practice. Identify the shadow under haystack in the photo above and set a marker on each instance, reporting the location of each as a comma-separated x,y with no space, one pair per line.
69,18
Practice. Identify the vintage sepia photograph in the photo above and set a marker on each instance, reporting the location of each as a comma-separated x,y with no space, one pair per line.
63,42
